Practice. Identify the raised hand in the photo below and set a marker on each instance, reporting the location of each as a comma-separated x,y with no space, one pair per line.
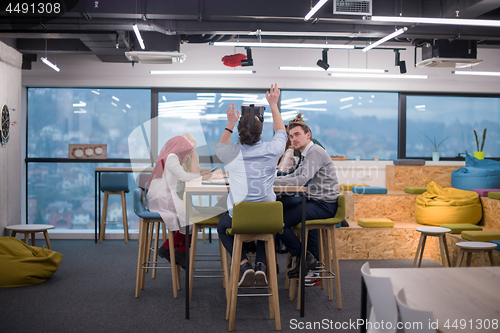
273,94
232,116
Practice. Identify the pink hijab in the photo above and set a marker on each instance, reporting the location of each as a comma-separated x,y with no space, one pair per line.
178,146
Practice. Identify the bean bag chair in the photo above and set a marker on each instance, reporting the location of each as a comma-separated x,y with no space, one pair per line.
23,265
447,205
476,174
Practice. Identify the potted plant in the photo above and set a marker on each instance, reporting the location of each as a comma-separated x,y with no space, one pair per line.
435,153
479,154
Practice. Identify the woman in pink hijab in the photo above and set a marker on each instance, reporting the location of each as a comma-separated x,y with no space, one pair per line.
162,191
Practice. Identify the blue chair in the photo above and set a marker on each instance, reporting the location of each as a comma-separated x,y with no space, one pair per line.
148,219
113,183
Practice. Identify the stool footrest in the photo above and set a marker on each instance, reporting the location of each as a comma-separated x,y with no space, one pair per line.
208,276
253,295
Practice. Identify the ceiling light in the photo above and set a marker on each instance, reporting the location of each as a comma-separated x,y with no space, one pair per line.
115,98
286,45
95,92
385,39
51,65
78,105
347,99
378,76
339,70
315,9
323,62
429,20
476,73
345,106
138,35
203,72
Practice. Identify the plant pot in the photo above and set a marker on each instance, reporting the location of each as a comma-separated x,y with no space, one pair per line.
479,155
435,156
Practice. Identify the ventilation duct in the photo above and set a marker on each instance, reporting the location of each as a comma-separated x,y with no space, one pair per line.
446,53
352,7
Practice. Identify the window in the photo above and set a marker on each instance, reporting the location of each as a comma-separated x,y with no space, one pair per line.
452,119
351,124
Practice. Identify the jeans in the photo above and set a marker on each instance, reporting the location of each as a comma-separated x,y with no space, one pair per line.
226,222
292,215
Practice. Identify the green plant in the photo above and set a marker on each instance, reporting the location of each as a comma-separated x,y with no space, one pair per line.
477,140
434,142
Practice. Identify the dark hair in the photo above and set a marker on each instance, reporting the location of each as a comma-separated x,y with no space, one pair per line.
249,136
304,127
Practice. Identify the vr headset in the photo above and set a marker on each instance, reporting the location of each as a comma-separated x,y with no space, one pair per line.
254,111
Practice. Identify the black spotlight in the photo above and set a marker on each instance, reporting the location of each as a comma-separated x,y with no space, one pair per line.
398,62
323,63
249,61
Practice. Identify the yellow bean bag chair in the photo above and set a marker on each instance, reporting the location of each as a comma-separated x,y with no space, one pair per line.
447,205
23,265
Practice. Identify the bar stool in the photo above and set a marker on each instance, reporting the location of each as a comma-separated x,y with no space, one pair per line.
433,232
328,251
201,222
113,183
475,247
143,262
255,221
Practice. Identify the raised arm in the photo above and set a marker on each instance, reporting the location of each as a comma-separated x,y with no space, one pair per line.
272,97
232,118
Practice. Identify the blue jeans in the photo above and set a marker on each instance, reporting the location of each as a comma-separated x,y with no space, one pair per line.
226,222
292,215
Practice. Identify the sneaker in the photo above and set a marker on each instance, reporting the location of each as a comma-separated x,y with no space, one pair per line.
260,275
311,263
312,279
247,274
164,253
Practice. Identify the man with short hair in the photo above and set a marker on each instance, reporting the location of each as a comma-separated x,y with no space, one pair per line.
317,172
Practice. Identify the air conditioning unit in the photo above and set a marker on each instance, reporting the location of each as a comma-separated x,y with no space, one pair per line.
352,7
153,57
446,53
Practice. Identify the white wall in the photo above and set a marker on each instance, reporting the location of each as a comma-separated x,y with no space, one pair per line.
10,154
77,71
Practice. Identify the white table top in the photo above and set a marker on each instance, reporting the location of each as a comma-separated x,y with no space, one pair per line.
476,245
433,230
470,294
29,227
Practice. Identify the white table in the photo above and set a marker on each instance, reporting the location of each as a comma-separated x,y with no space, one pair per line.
468,295
27,229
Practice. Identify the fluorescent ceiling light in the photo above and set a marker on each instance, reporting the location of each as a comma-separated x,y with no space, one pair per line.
476,73
138,35
115,98
385,39
302,33
436,20
127,105
286,45
345,106
95,92
378,76
51,65
77,105
336,70
204,72
124,111
347,99
419,106
80,111
114,104
315,9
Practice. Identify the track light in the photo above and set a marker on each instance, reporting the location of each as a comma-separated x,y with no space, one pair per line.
249,61
286,45
398,62
323,63
138,35
51,65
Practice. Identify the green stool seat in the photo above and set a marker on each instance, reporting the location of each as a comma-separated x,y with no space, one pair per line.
494,195
415,190
481,236
369,222
458,228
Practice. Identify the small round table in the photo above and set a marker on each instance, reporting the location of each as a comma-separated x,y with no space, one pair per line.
471,247
27,229
433,232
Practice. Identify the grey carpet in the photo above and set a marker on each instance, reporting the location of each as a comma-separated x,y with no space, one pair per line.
93,291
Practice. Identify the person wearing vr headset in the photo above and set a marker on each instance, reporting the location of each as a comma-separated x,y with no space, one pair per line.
317,172
252,166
